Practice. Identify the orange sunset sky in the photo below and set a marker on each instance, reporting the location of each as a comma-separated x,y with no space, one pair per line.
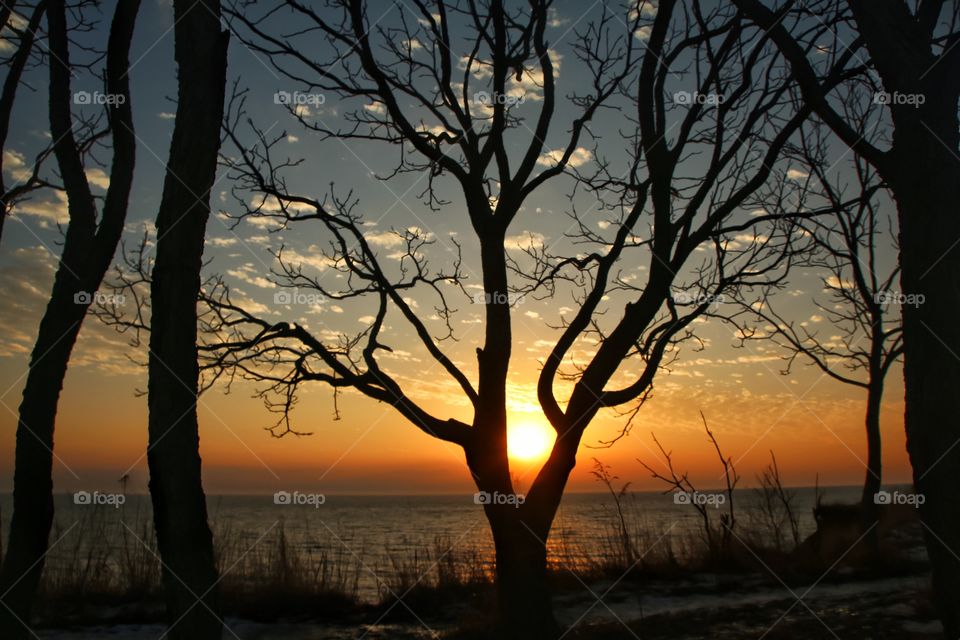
813,423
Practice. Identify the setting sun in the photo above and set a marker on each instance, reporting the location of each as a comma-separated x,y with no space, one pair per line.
530,440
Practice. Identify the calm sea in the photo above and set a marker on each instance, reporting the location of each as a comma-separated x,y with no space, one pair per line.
378,535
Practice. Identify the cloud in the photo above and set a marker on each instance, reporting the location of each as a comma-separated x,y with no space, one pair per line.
26,277
578,158
166,115
642,8
377,108
643,33
555,19
797,175
524,241
98,178
315,259
386,239
250,274
16,166
222,242
47,212
833,282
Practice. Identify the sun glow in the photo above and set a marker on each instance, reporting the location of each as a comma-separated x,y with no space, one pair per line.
530,440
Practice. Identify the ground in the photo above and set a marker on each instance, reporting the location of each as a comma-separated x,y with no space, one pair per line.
707,607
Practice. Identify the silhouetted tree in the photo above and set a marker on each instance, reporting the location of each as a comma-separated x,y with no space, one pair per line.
179,505
852,250
702,147
717,537
16,64
913,48
88,247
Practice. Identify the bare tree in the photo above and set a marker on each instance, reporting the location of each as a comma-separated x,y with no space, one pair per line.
22,53
676,216
776,506
913,49
179,504
852,250
717,538
88,247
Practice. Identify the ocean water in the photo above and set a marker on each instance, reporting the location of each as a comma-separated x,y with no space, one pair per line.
375,537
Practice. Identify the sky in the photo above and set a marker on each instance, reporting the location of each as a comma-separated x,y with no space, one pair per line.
813,423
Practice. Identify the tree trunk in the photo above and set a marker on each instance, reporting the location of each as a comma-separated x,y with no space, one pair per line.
179,504
873,480
11,83
927,193
33,466
523,595
88,248
520,534
874,476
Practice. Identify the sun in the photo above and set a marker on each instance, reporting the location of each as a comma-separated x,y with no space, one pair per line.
530,440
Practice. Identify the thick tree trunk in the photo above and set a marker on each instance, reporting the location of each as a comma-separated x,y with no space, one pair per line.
33,482
523,595
87,251
179,504
927,193
520,534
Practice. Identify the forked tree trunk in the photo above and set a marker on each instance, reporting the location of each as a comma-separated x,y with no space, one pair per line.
88,248
179,504
520,535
